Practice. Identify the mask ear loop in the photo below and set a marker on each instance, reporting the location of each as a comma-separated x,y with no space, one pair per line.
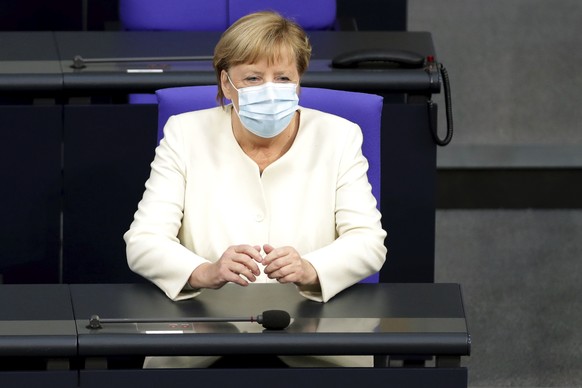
235,88
230,80
233,106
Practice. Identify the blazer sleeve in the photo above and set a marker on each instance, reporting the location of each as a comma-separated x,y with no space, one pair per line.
359,249
152,246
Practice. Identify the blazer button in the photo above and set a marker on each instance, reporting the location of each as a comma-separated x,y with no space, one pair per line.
259,217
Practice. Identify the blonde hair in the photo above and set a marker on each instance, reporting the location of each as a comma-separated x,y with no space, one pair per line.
257,36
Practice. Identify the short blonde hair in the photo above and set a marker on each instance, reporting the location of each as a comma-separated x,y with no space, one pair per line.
257,36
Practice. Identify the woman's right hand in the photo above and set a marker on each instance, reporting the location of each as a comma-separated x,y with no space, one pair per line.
238,264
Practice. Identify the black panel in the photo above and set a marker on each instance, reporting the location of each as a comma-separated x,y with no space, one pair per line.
108,149
30,200
509,188
281,378
102,15
384,15
408,193
40,379
40,15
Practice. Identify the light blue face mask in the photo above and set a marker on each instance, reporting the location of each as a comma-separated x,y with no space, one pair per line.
267,109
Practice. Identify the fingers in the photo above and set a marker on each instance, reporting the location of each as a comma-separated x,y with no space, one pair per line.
283,264
286,265
268,248
254,252
238,264
239,274
240,261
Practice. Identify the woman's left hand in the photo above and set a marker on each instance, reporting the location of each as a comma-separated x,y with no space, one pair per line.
286,266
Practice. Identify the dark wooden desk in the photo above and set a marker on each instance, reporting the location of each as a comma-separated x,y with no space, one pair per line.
115,77
404,320
38,337
41,63
29,65
45,341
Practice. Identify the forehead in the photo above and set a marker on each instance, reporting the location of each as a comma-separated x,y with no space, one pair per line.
264,64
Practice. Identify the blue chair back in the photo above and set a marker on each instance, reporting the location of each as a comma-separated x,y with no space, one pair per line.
311,15
174,15
218,15
361,108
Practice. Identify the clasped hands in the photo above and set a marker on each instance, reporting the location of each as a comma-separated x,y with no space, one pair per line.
238,264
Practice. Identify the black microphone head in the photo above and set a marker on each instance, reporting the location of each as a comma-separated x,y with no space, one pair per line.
274,319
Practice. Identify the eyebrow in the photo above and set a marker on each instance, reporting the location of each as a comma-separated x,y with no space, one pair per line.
261,73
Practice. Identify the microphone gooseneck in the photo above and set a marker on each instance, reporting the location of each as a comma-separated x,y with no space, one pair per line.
270,319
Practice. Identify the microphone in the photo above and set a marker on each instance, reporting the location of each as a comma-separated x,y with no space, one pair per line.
274,319
270,319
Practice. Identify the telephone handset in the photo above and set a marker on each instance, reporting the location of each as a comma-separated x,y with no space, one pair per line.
403,59
378,58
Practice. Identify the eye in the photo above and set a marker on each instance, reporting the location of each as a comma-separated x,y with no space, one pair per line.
252,80
282,79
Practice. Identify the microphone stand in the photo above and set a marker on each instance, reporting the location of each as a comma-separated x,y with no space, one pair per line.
95,322
79,62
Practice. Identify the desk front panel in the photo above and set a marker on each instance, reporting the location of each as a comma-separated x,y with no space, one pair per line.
280,378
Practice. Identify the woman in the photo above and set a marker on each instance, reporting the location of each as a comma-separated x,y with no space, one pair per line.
260,190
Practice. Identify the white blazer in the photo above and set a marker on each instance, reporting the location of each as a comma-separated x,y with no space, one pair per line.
205,194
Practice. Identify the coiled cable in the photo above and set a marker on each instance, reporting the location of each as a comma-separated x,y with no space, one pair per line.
432,110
